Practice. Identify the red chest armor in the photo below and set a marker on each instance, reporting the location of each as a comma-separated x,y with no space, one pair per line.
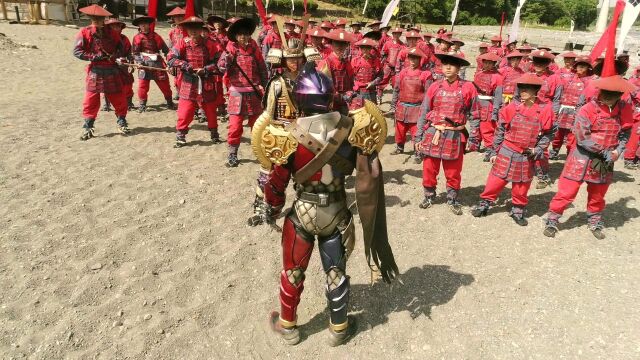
605,129
448,104
394,51
509,84
148,43
275,41
524,130
197,55
411,88
572,91
341,81
366,72
483,82
246,61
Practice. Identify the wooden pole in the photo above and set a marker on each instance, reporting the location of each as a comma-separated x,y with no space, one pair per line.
4,10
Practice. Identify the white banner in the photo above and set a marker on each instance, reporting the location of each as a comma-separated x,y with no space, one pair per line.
515,25
454,13
388,12
366,2
603,16
629,16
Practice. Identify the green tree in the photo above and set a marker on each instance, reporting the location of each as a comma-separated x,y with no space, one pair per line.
583,12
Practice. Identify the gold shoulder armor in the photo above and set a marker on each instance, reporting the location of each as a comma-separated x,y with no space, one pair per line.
369,130
271,144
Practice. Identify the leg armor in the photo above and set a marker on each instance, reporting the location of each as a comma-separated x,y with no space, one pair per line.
297,246
334,261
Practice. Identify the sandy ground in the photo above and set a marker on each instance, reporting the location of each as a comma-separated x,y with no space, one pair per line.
124,247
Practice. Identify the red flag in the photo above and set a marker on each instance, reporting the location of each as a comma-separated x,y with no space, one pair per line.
152,11
189,9
262,12
304,3
607,41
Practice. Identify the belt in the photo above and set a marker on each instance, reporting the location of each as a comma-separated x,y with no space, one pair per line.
321,199
567,107
485,97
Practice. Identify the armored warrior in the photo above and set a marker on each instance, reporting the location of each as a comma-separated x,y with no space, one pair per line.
496,46
488,82
526,63
196,57
175,34
524,131
245,68
102,47
279,106
601,129
566,72
367,71
126,72
510,72
411,87
339,66
327,146
572,89
632,152
441,135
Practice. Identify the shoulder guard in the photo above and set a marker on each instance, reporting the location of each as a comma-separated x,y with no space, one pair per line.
311,54
271,143
369,130
274,56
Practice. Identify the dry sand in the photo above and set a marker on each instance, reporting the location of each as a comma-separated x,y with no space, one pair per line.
123,247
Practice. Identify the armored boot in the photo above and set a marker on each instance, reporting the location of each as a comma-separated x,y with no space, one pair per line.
452,201
553,154
170,104
123,127
429,198
417,157
518,215
181,138
260,208
487,156
398,150
482,209
290,335
88,129
596,225
130,103
215,136
143,106
232,158
107,104
551,225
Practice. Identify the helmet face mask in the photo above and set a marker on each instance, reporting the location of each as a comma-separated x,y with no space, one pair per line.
313,91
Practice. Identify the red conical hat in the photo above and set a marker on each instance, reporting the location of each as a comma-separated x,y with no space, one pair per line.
95,10
339,35
614,83
177,11
515,54
530,79
490,57
569,54
416,52
367,42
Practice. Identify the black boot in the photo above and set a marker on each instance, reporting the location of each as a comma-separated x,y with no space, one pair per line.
596,225
481,209
88,129
544,180
518,215
215,136
181,139
452,201
123,127
232,158
130,103
398,150
551,225
553,154
170,104
143,106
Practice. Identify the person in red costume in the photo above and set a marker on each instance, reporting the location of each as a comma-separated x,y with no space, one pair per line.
176,33
441,136
147,48
196,57
317,41
483,48
496,46
572,88
488,82
524,131
356,28
632,152
551,92
510,73
339,66
103,48
566,72
525,64
411,87
367,73
602,128
247,73
553,67
127,76
389,57
443,47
